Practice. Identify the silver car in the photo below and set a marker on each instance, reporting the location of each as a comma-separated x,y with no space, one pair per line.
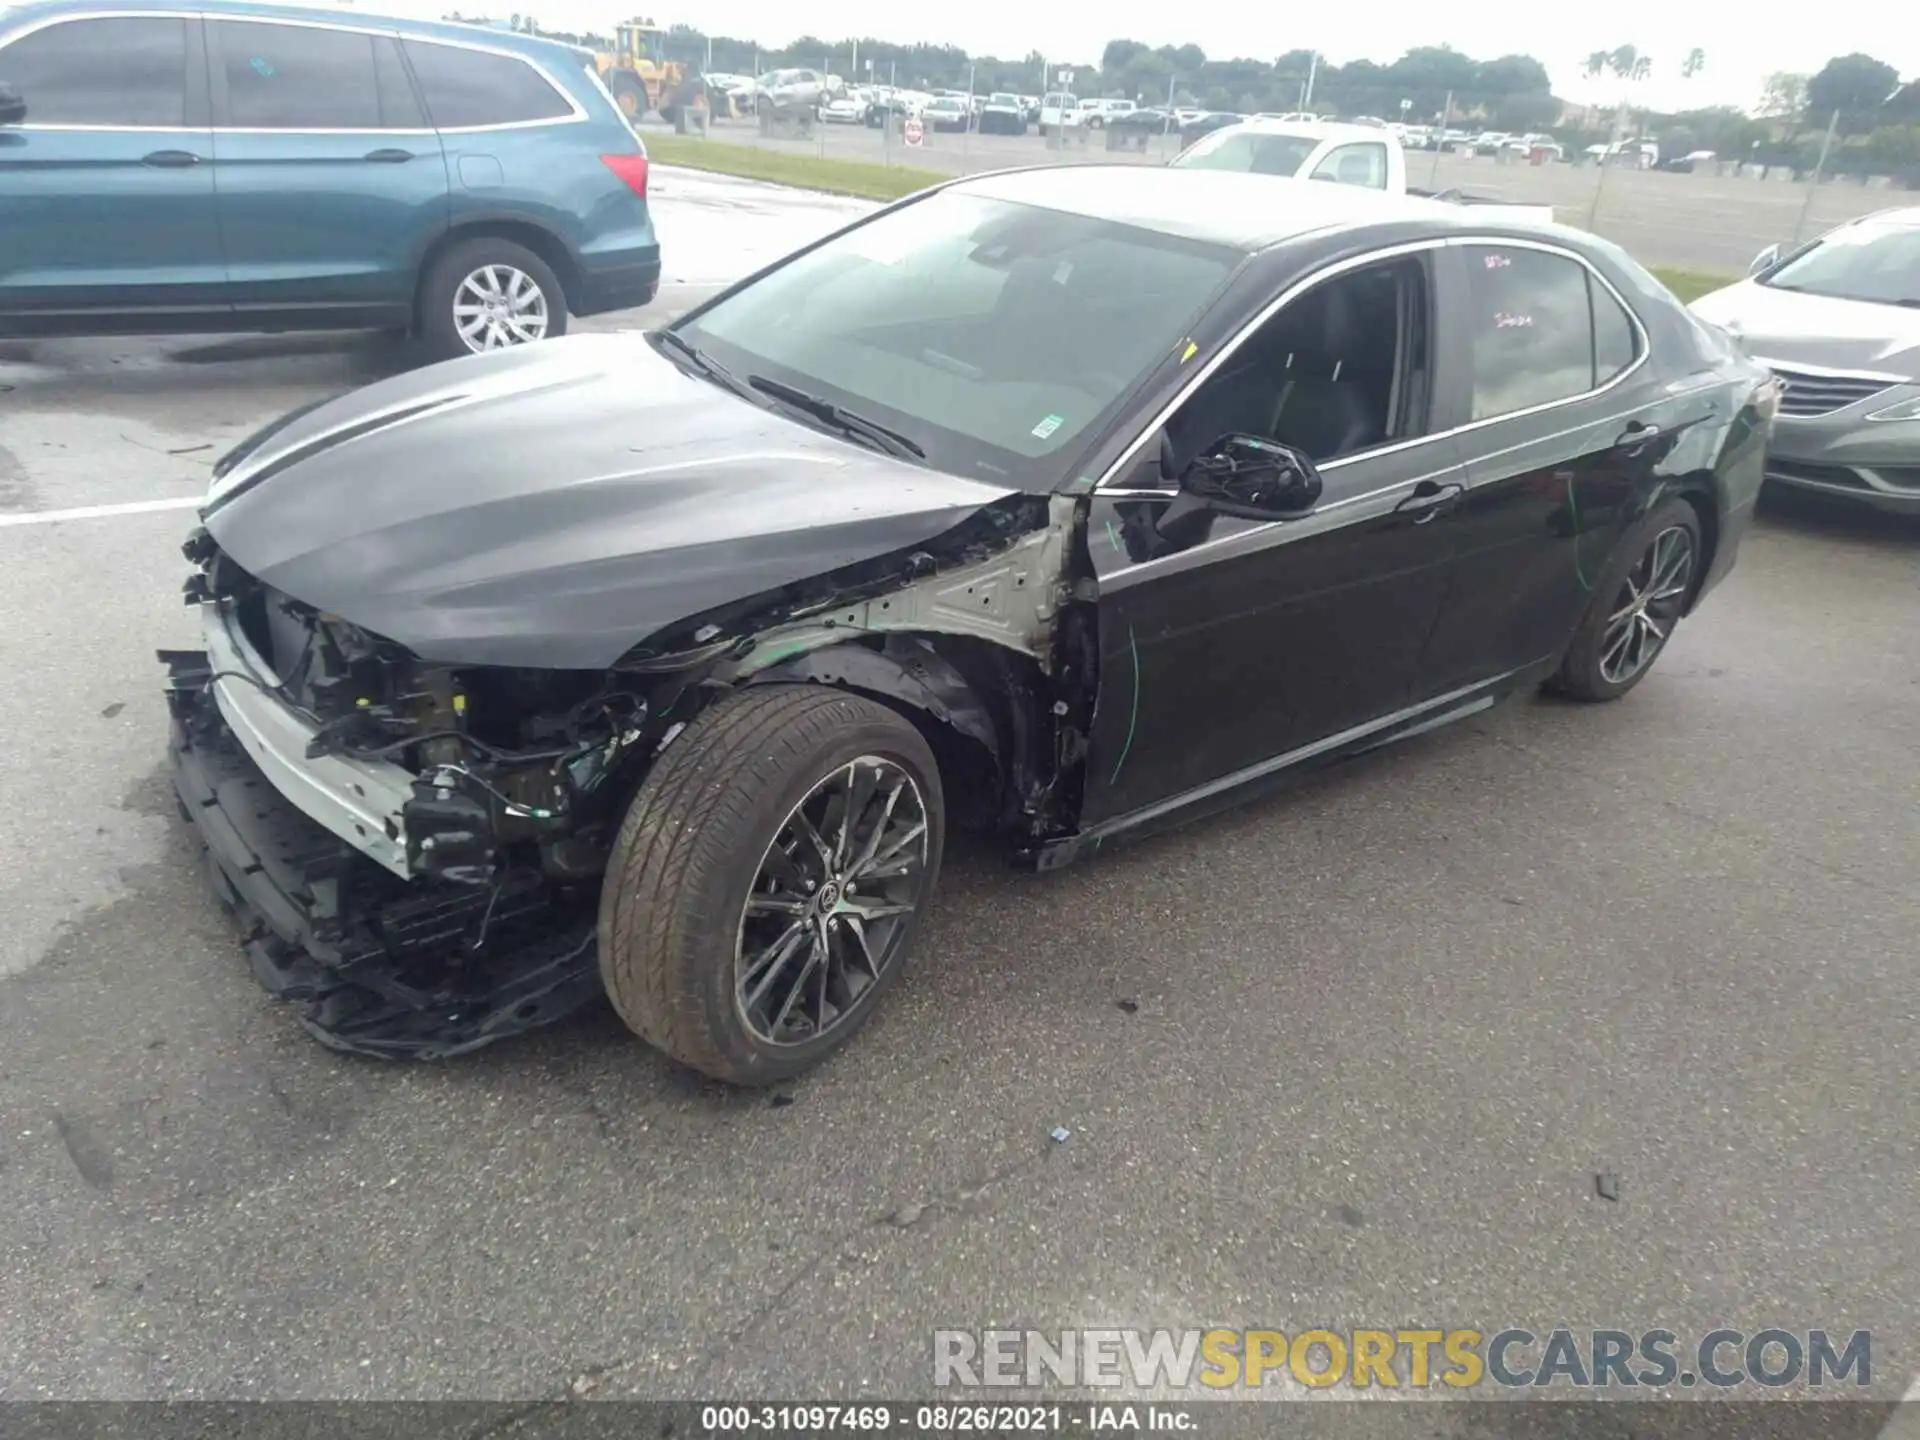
788,91
1838,321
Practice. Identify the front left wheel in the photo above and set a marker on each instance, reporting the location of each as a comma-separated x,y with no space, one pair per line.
767,882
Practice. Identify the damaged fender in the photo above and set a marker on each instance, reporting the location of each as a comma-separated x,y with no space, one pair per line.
905,668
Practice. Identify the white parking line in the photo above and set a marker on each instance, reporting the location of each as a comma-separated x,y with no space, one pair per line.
100,512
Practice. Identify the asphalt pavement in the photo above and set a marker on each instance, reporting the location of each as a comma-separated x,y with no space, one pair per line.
1352,1056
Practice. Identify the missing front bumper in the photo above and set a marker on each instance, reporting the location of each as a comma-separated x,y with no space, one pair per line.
419,969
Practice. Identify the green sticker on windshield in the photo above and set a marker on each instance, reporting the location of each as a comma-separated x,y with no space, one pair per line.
1047,426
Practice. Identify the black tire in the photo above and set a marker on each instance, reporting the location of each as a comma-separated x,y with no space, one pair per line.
1583,674
439,332
690,851
630,93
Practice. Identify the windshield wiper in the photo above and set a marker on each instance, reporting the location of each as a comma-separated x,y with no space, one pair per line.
707,366
840,418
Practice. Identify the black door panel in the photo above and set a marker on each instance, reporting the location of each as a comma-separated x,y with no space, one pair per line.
1537,523
1566,423
1223,649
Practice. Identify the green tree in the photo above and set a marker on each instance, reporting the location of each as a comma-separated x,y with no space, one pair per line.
1854,85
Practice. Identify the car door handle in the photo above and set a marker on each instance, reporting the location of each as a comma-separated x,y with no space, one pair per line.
1637,436
388,157
170,159
1429,498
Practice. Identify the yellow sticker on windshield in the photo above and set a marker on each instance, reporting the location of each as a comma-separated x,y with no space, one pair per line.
1187,354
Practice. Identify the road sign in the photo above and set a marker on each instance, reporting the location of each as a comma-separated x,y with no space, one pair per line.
913,131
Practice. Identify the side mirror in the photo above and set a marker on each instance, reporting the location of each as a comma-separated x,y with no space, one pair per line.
1765,260
1253,479
13,106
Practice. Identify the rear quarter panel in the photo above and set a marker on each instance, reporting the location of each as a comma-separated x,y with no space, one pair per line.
551,175
1720,455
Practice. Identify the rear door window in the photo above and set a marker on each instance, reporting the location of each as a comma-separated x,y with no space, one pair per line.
473,89
1532,329
126,71
297,77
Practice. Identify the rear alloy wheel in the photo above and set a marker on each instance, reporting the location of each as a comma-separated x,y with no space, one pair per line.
1639,600
497,307
490,294
765,887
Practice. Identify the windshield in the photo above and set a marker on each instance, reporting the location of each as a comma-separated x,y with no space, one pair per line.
1251,151
1000,98
1879,263
993,335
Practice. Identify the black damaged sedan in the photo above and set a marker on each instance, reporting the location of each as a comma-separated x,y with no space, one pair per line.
1064,504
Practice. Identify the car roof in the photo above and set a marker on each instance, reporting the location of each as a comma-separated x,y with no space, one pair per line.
1902,215
315,10
1245,211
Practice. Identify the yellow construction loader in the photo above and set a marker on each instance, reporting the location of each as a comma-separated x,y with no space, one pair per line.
642,79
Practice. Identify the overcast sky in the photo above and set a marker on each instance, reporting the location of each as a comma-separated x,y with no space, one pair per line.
1744,40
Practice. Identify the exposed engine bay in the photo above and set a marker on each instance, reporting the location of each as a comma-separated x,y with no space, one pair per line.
416,848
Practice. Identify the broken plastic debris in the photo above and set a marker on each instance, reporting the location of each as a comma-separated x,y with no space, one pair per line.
1132,1007
1060,1133
782,1100
1608,1185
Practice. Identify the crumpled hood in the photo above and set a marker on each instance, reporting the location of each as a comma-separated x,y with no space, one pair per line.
553,505
1800,329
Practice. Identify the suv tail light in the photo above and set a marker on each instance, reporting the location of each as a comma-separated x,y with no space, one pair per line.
630,168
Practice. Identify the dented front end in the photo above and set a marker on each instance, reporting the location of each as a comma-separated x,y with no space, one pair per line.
415,849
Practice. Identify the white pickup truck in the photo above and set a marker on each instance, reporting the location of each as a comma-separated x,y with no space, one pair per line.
1095,114
1327,150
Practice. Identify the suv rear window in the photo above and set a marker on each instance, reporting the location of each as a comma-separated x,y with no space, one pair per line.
466,89
127,70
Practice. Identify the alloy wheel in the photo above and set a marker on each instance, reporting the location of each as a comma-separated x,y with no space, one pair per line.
1648,605
832,902
498,306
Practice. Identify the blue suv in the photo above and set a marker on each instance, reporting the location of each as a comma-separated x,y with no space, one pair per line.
226,167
